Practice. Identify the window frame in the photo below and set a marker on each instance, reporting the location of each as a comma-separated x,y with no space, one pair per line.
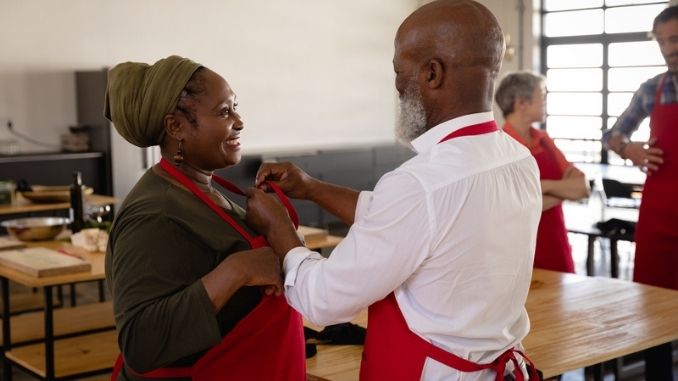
605,39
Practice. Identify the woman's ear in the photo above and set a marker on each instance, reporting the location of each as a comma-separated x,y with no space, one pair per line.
520,103
173,127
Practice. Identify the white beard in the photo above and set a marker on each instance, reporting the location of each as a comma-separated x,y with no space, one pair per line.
411,122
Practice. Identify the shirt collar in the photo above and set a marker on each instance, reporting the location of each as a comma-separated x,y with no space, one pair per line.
431,137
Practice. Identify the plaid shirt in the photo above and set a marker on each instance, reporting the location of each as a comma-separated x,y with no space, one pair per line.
642,104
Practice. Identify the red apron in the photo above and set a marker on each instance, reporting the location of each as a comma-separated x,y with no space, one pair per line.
656,258
393,352
553,248
267,344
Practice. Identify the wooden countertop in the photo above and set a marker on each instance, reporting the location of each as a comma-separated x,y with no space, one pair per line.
22,205
577,321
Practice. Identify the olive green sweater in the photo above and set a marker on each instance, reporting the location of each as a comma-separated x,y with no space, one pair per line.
163,240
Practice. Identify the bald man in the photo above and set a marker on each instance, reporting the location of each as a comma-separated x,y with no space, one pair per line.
441,250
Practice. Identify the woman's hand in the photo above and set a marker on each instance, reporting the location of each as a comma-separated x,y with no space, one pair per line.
291,179
259,267
256,267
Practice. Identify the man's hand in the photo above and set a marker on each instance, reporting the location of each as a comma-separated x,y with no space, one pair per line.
645,156
291,179
269,217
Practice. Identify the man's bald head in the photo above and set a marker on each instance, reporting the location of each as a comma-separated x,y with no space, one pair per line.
463,32
452,51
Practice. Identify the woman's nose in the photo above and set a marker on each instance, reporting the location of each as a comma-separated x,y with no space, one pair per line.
238,124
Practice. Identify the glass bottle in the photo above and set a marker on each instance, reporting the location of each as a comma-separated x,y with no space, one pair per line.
77,204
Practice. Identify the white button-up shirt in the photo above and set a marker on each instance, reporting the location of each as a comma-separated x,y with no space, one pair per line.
452,232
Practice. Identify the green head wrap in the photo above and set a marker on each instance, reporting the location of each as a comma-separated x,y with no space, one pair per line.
138,97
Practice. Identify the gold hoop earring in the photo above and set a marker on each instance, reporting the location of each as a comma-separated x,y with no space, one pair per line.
179,156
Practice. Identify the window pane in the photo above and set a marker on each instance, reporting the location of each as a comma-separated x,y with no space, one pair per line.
628,2
580,55
587,127
630,78
631,19
580,150
574,104
563,5
617,103
561,23
635,54
574,79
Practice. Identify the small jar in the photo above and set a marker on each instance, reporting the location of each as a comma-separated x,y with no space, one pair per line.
7,189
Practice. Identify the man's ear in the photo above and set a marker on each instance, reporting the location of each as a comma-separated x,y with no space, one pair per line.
434,73
173,127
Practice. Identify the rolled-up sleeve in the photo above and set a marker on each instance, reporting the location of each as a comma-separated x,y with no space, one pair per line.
385,246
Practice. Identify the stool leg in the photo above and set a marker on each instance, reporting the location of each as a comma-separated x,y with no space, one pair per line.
590,269
614,259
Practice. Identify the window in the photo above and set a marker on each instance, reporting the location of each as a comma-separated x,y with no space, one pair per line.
595,55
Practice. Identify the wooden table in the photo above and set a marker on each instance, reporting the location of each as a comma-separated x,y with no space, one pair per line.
22,205
74,341
577,321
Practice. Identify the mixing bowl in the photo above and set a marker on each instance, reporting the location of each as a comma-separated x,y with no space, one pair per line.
35,228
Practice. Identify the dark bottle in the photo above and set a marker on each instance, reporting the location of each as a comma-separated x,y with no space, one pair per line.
77,207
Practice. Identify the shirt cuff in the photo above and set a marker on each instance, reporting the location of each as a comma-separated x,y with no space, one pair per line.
292,262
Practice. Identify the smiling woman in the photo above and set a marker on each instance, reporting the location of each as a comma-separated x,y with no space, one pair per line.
184,269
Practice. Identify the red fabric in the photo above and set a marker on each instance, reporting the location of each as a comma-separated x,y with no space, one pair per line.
553,250
656,258
268,344
476,129
393,352
539,141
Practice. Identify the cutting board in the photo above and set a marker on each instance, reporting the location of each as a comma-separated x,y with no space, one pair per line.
40,262
10,243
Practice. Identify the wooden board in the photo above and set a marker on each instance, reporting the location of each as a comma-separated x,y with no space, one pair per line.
312,234
10,243
41,262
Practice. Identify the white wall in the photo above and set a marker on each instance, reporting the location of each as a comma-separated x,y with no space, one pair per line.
307,73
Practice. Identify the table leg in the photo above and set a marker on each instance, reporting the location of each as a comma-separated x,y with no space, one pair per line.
590,269
73,296
6,333
102,293
614,259
49,335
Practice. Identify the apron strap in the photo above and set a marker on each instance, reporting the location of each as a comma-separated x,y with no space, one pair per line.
276,189
475,129
658,93
190,185
498,365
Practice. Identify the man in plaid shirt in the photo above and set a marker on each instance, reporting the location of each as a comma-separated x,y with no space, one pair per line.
656,257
